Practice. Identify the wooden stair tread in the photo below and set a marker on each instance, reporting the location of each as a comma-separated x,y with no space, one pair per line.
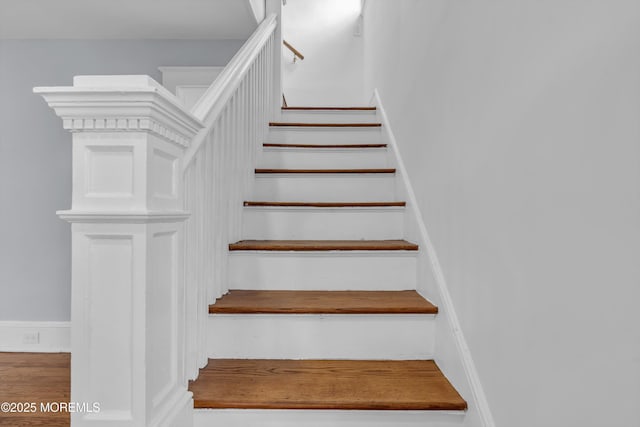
325,125
324,384
328,204
327,171
325,145
322,302
323,245
329,108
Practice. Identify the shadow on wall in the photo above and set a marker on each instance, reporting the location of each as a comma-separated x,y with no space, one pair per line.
327,33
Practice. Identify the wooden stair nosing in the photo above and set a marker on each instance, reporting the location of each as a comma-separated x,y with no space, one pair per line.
326,171
325,125
329,108
238,301
324,384
323,245
326,204
344,146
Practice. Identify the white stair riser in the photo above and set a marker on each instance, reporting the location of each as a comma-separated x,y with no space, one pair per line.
323,158
324,135
327,116
325,418
306,336
324,187
334,270
322,223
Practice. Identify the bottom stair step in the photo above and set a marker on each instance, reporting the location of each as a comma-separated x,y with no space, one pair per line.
325,418
324,384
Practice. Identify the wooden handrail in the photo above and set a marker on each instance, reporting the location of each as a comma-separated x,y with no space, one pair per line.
295,51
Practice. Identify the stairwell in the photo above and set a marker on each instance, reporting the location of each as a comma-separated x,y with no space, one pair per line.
229,270
322,324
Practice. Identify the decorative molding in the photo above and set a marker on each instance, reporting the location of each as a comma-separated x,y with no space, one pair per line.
125,124
122,104
446,303
35,336
123,217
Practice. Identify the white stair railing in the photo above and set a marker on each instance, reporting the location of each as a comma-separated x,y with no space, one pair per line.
218,167
157,197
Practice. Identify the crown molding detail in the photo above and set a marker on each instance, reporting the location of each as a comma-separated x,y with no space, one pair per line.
126,124
122,104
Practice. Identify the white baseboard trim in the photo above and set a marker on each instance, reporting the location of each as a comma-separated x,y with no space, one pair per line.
34,336
446,303
177,411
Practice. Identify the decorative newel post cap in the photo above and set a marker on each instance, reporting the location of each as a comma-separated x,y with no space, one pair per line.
122,104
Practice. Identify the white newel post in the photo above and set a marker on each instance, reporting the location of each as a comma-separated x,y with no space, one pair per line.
127,215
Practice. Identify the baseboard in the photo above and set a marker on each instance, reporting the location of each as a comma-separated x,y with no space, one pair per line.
447,310
177,411
33,336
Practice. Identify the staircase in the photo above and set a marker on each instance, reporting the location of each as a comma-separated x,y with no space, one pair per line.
322,325
266,274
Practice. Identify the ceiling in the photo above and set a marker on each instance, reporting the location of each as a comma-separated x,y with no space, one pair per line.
126,19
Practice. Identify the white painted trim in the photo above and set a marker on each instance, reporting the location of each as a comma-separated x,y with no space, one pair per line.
446,303
176,77
215,99
321,336
177,412
324,418
54,337
123,217
132,103
188,68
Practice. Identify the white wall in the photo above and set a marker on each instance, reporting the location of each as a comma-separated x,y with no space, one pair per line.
35,157
519,126
258,9
331,72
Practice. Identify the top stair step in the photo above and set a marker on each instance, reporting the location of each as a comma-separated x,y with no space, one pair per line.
329,114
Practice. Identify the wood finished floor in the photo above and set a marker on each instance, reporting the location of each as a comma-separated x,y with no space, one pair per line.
322,302
35,377
324,384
